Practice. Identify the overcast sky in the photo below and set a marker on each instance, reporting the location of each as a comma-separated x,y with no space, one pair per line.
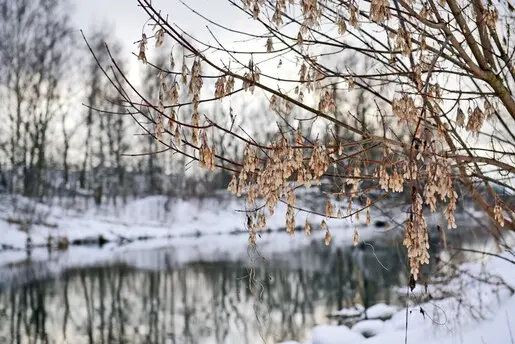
124,16
127,19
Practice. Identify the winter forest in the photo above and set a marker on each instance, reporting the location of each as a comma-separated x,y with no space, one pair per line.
66,147
257,171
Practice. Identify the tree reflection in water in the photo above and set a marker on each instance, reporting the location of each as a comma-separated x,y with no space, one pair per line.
202,302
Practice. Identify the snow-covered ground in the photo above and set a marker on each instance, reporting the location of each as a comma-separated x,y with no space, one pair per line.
151,218
481,310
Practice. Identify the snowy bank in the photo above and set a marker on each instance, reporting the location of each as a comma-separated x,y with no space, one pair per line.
147,218
481,310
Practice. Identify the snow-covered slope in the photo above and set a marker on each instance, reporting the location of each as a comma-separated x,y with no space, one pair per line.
150,217
482,310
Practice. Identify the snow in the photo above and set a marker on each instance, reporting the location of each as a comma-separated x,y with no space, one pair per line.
207,226
498,329
480,310
328,334
161,253
149,217
368,328
352,312
381,311
378,311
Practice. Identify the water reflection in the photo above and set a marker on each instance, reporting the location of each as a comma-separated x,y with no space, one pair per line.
203,302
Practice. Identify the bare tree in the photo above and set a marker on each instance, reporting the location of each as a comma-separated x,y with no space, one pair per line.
34,60
105,140
428,63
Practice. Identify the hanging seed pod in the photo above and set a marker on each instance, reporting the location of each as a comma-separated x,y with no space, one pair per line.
307,228
327,238
329,209
460,118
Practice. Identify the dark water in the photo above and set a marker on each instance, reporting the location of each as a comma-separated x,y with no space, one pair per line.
219,301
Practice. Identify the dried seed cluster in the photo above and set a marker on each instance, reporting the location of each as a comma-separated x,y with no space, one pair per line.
438,188
252,76
379,10
416,237
438,182
224,86
268,176
327,102
498,215
311,77
207,154
405,110
460,118
476,120
353,12
491,17
311,12
393,182
403,41
142,47
341,23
